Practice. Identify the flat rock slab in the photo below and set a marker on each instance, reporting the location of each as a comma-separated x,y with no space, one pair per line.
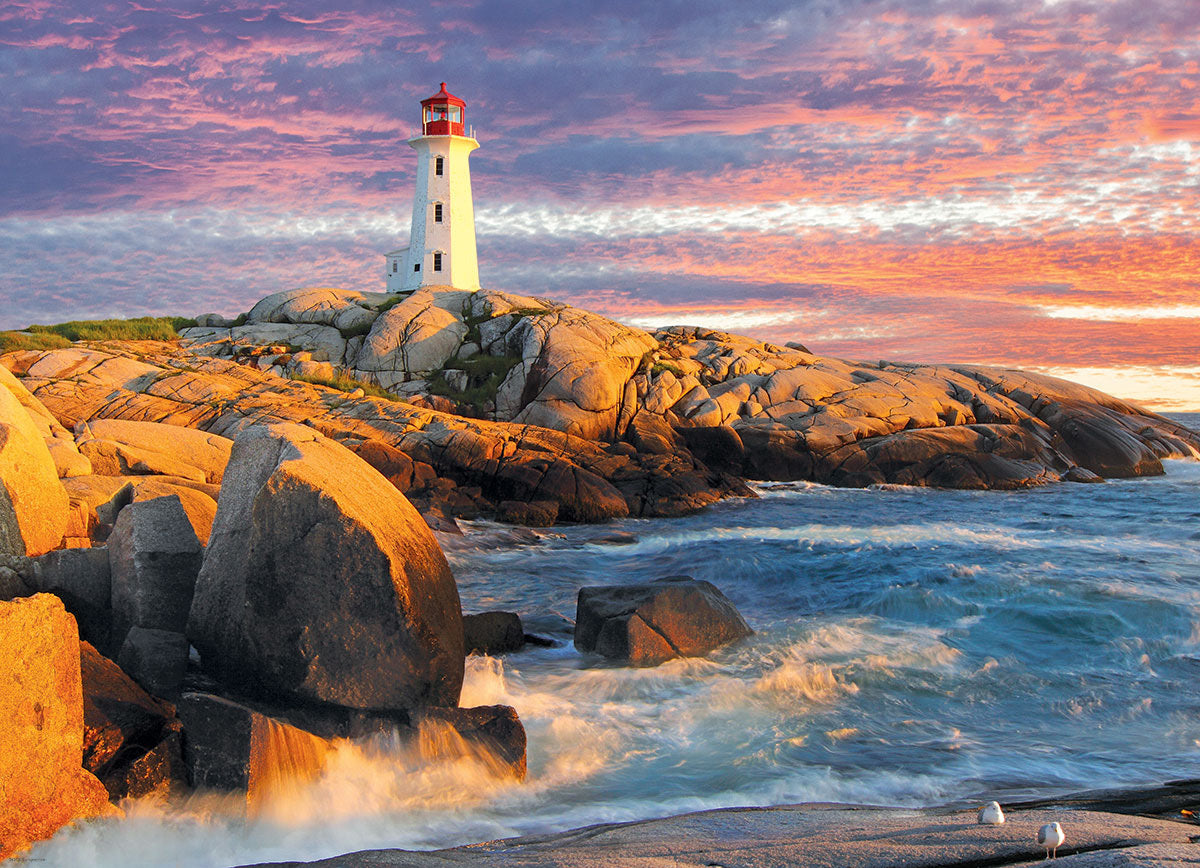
818,836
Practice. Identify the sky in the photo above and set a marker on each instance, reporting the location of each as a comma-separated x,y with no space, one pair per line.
1012,182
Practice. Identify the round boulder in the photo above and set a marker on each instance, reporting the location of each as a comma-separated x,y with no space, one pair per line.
322,583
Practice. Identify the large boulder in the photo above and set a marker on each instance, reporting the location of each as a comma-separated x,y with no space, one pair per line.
646,624
33,503
346,310
119,447
417,336
574,373
322,583
154,558
43,784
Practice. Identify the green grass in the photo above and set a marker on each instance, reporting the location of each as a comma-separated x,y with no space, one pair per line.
484,376
659,367
13,341
393,301
144,328
347,384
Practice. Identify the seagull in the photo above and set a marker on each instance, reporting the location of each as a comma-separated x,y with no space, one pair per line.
991,815
1051,837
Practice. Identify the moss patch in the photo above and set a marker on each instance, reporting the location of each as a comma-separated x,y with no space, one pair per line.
484,376
347,384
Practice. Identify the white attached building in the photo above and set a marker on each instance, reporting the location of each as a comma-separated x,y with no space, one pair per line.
441,244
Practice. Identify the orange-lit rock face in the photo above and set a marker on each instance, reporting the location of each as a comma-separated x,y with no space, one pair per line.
33,503
42,782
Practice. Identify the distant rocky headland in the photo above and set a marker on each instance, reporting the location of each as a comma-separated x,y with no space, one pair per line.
262,491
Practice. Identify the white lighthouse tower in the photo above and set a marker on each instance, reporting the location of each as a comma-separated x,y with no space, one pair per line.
441,245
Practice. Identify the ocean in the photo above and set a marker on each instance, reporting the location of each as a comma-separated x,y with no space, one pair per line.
913,647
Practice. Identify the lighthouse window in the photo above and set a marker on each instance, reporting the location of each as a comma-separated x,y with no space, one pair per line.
437,213
437,262
395,265
437,166
454,114
417,266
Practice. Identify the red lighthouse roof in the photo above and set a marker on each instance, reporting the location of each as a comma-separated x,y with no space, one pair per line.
443,114
444,96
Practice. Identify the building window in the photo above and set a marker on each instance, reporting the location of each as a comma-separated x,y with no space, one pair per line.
437,212
417,266
437,262
437,166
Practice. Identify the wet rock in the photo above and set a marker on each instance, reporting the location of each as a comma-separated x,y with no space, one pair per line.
229,746
490,733
154,558
493,632
646,624
131,740
322,583
160,771
966,456
81,579
41,731
33,503
155,659
1102,442
1079,474
538,513
720,447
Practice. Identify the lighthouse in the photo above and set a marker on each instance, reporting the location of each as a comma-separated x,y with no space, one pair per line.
441,244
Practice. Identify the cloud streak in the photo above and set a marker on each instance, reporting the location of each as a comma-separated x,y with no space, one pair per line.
985,180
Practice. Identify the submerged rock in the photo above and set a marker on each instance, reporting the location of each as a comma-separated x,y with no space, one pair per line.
646,624
321,583
42,777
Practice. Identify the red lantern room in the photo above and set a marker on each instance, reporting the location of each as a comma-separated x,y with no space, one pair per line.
443,114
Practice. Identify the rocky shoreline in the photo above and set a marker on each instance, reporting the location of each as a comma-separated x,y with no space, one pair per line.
218,555
1102,830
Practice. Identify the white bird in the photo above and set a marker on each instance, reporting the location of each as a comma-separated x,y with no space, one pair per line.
1051,837
991,815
